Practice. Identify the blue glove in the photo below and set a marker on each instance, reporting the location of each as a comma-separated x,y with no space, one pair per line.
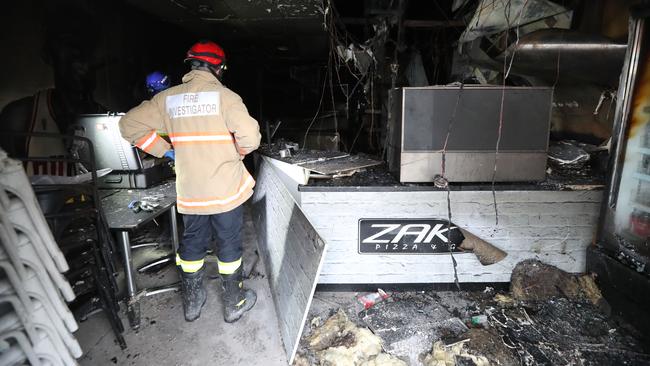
170,154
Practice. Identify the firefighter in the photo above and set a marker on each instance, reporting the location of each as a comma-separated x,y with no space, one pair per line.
211,132
156,82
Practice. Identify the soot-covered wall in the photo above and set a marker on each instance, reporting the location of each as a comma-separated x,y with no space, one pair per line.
124,43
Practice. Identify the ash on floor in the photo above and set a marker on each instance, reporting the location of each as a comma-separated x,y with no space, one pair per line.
165,338
548,317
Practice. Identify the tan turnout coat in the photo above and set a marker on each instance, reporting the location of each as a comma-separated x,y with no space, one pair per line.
210,130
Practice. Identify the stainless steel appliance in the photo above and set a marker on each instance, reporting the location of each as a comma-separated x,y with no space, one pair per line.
130,169
464,124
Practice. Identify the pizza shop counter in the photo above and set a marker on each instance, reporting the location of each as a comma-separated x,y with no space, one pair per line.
380,231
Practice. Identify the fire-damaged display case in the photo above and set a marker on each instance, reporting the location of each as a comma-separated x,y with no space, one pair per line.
622,254
463,131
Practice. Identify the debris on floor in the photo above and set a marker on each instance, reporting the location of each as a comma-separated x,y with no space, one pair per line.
449,355
410,327
547,317
164,336
340,342
533,280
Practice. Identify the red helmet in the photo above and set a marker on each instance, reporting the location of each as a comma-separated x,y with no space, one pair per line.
208,52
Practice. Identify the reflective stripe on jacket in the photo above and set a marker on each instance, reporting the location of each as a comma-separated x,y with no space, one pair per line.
210,129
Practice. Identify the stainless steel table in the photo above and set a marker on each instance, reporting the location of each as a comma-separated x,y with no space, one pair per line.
123,220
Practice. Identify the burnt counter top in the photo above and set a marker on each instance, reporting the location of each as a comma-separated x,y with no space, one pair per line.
119,216
378,179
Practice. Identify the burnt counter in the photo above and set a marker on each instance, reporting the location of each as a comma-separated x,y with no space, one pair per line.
553,221
379,179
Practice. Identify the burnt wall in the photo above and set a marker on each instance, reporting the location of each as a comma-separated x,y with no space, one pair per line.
124,43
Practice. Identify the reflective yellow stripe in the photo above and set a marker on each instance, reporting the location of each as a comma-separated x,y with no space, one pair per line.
241,303
189,266
229,267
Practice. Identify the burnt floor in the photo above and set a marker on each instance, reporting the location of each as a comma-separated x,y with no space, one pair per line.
165,338
555,331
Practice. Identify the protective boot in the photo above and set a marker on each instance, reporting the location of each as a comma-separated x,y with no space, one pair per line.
194,294
237,299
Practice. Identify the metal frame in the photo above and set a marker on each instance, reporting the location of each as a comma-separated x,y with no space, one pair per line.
621,116
133,295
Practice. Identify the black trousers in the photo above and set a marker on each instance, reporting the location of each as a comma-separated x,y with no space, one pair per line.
226,227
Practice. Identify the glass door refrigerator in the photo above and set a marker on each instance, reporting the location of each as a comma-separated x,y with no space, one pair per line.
620,257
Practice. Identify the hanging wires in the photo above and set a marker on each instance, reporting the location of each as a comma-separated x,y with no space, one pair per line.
443,182
339,38
362,124
506,71
500,128
320,102
514,48
329,25
329,73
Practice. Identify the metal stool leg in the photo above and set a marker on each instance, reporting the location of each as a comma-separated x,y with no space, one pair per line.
133,307
174,228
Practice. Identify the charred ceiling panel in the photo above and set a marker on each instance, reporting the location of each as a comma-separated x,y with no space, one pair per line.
285,31
274,8
495,16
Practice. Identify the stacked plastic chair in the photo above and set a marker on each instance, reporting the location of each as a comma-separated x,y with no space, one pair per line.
36,326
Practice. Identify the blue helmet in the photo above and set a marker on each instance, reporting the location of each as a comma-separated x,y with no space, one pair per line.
157,82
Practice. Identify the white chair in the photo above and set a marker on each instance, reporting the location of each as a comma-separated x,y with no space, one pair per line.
14,180
43,318
10,304
6,238
32,284
22,246
44,344
15,280
33,220
17,353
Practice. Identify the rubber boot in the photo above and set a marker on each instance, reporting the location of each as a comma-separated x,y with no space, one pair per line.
237,299
194,294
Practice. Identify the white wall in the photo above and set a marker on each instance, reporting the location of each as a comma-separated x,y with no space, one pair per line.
553,226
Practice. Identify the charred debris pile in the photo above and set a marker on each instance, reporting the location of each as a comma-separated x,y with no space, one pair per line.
546,317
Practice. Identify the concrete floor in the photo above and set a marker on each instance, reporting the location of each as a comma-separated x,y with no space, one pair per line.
165,338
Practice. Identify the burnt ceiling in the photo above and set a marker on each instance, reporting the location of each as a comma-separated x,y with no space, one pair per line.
285,31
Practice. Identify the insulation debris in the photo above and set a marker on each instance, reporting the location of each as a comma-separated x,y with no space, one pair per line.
339,342
504,301
451,355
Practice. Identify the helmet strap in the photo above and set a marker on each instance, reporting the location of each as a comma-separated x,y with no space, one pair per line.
217,71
